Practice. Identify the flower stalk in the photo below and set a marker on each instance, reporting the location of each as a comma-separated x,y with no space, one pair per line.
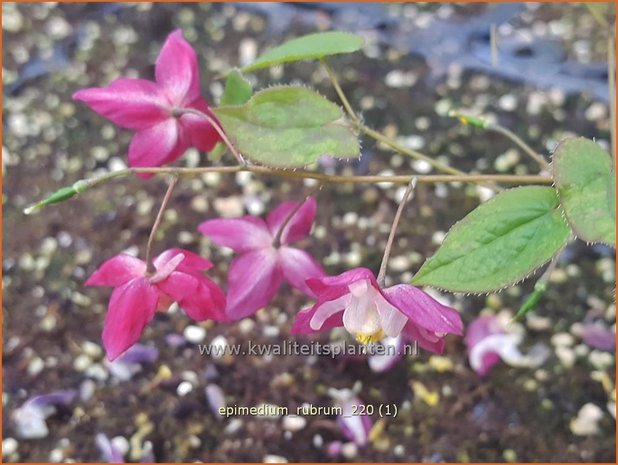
391,236
168,194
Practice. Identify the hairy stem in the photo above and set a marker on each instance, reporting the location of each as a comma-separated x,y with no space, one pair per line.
391,236
86,184
220,131
519,142
157,223
379,136
344,100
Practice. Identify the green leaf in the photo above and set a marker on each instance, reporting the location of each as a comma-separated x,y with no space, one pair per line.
288,127
237,89
587,186
307,47
499,243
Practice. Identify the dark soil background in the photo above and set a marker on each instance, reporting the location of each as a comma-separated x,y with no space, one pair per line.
402,83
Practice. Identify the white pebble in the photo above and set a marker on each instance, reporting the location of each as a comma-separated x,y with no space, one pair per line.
194,334
184,388
9,446
274,459
294,423
218,346
587,421
349,450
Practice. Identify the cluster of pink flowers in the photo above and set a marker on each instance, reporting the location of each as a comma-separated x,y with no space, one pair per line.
156,111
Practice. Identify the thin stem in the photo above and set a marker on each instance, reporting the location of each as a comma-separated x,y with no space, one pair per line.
219,130
157,223
391,237
277,239
344,100
611,82
382,138
520,142
86,184
409,152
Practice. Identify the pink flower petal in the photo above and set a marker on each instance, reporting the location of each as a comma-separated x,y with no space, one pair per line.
192,262
130,308
477,331
253,280
176,70
599,336
199,132
424,311
302,322
200,298
241,234
353,426
426,340
117,271
324,311
331,287
129,103
297,267
300,224
156,146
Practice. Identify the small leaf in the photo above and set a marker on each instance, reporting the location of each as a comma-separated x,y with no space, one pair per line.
311,46
531,301
587,187
499,243
288,127
237,89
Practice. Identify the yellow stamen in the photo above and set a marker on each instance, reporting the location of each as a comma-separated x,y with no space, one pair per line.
367,339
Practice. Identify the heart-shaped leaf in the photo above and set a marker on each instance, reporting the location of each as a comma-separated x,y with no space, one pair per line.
587,186
311,46
499,243
288,127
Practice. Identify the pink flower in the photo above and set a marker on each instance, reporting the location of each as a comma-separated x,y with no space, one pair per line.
138,294
257,272
355,300
152,108
489,341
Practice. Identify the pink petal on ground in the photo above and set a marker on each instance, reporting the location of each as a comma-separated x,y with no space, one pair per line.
599,336
130,103
117,271
424,311
130,308
478,330
156,146
302,322
299,226
176,70
253,280
192,262
297,267
199,297
354,427
241,234
387,358
199,132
